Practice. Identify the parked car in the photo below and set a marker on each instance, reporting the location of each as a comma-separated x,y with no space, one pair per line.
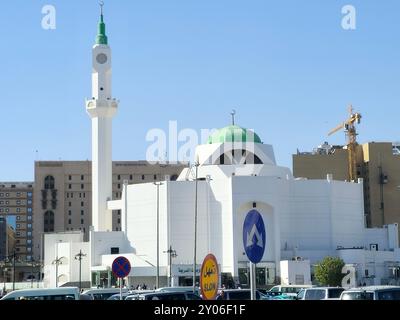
372,293
239,294
320,293
71,293
134,295
117,296
103,294
169,296
290,290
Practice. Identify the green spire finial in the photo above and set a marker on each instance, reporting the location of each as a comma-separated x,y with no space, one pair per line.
101,37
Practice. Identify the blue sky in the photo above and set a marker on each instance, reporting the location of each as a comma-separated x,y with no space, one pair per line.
287,67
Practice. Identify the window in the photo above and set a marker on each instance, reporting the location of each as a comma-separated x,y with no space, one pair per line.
29,202
82,177
82,213
29,194
84,195
119,221
70,186
49,183
82,204
18,194
29,218
119,212
48,221
29,234
18,218
67,195
18,226
29,210
18,210
142,176
69,177
80,195
155,177
119,177
29,226
69,204
69,212
29,249
82,186
131,177
7,195
69,221
82,221
114,250
119,187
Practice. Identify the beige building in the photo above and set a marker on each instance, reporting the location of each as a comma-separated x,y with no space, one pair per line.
63,196
16,203
378,163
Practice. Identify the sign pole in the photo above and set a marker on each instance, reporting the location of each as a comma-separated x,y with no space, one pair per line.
120,288
252,281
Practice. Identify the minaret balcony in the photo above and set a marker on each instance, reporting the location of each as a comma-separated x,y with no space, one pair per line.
102,108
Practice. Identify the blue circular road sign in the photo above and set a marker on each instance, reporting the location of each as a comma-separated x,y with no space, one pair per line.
254,236
121,267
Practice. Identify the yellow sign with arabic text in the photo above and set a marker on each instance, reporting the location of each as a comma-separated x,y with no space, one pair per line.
209,278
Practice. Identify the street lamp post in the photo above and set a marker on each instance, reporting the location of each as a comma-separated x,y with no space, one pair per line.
79,257
158,184
172,254
195,229
14,258
32,265
57,262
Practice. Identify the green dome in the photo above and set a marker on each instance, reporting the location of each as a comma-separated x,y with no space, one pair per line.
234,134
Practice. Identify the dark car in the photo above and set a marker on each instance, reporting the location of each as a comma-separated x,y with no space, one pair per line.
239,294
169,296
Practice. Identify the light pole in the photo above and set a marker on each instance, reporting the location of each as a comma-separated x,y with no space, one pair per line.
195,228
57,262
14,258
172,254
158,184
79,257
32,265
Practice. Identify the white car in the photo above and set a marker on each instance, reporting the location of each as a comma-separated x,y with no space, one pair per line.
372,293
320,293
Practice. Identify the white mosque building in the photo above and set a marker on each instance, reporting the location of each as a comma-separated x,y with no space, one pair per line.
306,220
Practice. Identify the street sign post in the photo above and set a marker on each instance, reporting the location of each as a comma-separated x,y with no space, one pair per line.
121,268
254,242
209,278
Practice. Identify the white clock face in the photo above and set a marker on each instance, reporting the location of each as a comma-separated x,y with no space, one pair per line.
101,58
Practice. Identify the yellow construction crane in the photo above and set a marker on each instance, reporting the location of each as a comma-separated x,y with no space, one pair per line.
349,126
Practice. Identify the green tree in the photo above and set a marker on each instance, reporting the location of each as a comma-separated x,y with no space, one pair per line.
329,271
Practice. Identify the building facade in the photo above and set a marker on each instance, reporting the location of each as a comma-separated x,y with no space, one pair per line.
378,164
16,203
63,193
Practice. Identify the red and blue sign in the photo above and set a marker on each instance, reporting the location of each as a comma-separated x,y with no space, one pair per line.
121,267
254,236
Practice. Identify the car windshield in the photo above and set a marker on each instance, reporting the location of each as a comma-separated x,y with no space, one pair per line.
389,295
357,296
335,293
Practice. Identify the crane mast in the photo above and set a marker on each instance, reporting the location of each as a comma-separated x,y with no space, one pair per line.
349,126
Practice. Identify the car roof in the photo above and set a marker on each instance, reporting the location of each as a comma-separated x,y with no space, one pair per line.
54,291
372,288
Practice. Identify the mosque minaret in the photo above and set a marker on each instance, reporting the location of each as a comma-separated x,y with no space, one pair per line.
101,109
